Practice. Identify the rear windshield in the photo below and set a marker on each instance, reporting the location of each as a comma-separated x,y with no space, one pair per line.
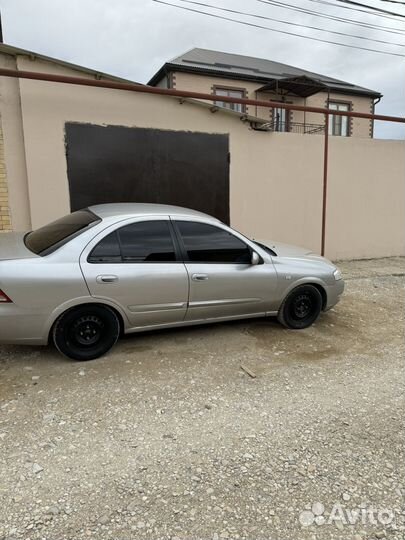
54,235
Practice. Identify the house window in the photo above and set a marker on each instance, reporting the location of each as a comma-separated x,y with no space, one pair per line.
230,92
339,125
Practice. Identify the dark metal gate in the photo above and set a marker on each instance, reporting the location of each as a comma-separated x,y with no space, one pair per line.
121,164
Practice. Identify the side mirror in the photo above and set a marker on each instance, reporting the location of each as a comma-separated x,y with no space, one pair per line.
255,259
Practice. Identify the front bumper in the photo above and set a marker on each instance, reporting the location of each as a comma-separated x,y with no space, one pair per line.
334,293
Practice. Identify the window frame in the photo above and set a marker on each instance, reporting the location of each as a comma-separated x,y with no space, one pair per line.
333,117
227,105
185,256
121,225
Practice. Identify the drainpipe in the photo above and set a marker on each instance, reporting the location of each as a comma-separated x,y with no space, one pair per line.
375,102
1,31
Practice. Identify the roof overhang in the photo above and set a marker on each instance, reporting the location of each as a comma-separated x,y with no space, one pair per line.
301,86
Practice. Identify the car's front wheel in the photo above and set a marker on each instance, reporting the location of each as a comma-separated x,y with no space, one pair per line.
301,307
86,332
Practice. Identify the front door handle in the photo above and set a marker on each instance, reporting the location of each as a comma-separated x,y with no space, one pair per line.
106,279
199,277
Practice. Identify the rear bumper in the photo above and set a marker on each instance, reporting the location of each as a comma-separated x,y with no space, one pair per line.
20,327
334,293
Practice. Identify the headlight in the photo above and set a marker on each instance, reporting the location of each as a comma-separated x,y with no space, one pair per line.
337,274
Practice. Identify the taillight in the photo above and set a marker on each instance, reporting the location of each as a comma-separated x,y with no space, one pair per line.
4,299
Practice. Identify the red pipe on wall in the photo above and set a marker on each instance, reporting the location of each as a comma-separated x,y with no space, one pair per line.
325,183
133,87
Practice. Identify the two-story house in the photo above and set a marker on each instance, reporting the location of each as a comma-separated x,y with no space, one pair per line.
224,74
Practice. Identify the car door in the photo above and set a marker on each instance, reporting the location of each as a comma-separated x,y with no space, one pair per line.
223,280
138,267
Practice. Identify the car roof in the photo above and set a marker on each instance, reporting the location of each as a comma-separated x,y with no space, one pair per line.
144,209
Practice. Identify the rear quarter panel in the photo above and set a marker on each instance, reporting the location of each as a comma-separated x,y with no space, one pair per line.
38,288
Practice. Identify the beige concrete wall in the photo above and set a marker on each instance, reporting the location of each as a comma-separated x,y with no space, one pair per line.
366,194
282,200
358,127
275,178
276,187
14,147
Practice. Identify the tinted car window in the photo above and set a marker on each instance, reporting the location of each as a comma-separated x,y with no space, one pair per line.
52,236
108,250
209,244
146,241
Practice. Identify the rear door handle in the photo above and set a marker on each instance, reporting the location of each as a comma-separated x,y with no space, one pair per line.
199,277
106,279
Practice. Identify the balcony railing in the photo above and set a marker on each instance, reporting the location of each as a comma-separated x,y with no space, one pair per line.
293,127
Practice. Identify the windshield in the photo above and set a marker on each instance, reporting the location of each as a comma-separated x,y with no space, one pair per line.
54,235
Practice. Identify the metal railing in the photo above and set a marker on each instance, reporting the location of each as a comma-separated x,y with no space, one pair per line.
294,127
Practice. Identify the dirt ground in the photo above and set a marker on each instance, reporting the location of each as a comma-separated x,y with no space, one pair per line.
167,437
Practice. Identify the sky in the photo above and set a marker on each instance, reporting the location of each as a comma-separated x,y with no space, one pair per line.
133,38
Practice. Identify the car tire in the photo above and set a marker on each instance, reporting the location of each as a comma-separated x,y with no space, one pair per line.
86,332
301,307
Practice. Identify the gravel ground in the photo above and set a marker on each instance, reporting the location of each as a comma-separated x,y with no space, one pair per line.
167,437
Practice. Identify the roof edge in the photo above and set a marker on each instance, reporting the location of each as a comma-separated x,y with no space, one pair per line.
170,67
17,51
158,76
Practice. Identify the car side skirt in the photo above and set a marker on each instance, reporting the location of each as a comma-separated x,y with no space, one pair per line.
197,322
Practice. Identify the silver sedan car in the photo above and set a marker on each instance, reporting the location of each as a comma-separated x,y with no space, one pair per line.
111,269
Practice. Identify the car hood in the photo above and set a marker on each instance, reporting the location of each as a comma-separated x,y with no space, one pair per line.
293,252
12,247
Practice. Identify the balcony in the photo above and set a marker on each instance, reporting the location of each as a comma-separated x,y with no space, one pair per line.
292,127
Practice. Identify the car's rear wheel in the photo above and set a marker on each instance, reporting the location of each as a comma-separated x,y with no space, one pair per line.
86,332
301,307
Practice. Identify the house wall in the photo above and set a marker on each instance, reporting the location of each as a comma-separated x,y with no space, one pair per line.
202,83
357,127
275,178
